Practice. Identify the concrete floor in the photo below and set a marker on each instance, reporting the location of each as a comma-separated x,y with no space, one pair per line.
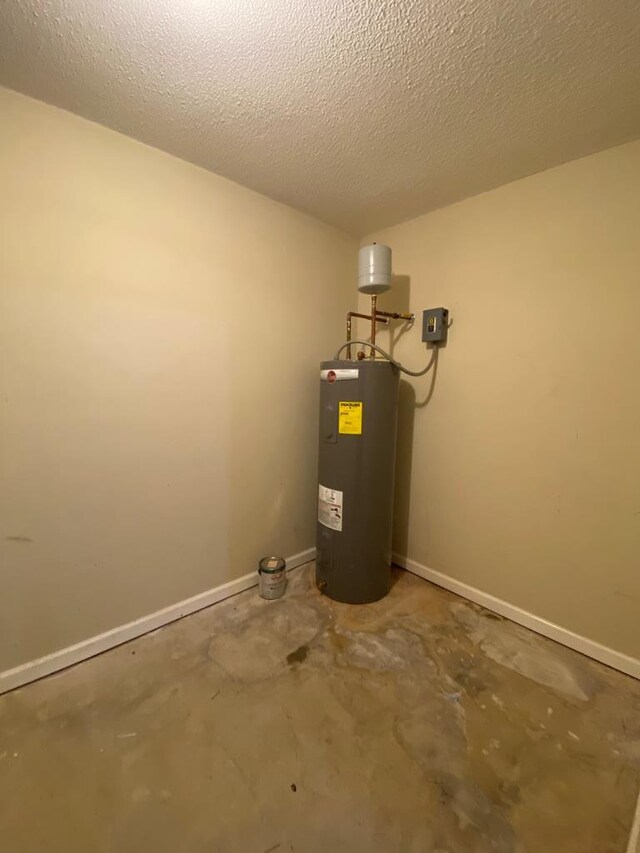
421,723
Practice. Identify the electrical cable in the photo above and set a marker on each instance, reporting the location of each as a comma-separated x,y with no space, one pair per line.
397,364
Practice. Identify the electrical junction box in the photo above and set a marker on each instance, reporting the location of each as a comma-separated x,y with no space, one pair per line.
435,324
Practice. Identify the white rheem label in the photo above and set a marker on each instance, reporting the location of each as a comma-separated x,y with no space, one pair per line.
339,374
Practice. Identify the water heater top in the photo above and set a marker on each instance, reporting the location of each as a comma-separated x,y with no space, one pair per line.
374,268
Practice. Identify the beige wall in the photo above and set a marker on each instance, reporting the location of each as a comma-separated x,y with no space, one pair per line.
160,334
160,331
523,474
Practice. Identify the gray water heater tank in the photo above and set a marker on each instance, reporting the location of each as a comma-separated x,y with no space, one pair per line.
358,417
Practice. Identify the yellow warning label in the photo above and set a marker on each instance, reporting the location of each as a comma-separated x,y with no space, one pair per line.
350,418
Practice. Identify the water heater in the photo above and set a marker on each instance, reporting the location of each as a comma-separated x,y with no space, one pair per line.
358,414
357,444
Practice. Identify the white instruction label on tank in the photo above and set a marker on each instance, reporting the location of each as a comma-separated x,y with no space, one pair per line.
330,508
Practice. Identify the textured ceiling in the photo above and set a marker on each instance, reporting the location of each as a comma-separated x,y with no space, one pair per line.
363,113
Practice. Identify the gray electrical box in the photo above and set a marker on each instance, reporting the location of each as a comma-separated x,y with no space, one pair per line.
435,323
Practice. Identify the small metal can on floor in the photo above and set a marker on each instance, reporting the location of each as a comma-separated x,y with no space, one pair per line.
271,571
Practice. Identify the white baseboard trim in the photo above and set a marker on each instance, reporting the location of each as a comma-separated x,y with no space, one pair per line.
63,658
634,837
610,657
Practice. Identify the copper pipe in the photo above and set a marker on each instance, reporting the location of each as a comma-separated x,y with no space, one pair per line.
351,314
395,316
379,319
374,301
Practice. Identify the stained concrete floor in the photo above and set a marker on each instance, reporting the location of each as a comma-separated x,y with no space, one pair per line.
420,723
